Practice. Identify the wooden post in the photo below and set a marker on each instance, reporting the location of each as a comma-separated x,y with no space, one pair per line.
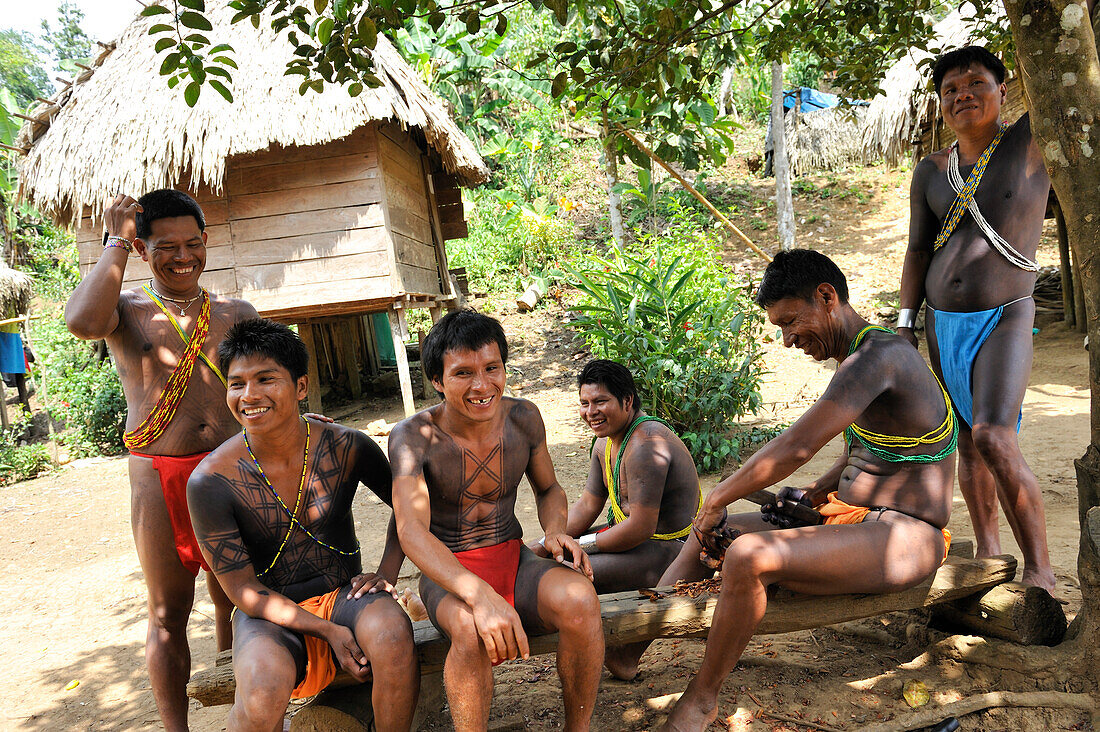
1069,313
425,382
351,360
3,406
398,327
305,332
436,312
370,345
1020,613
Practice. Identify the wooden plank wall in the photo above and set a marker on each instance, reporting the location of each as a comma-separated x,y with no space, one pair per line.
416,261
300,227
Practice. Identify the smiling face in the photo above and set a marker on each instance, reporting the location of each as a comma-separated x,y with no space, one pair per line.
262,394
473,381
605,415
971,98
176,252
807,324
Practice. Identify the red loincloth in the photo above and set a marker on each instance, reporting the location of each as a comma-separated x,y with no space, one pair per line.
320,665
174,471
497,564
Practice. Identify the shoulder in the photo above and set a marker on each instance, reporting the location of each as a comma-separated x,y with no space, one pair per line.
526,417
134,297
1021,128
652,440
232,307
930,165
361,443
214,469
881,356
415,430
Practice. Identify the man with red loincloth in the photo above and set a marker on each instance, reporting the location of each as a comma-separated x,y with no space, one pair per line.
163,337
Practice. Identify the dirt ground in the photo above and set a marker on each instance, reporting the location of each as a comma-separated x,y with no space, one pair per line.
73,596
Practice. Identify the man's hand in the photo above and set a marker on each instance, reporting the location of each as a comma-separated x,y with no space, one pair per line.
318,418
120,218
778,514
348,653
710,529
556,545
370,583
909,335
538,549
499,627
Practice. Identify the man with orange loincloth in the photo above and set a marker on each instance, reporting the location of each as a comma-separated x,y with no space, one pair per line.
163,337
456,469
272,512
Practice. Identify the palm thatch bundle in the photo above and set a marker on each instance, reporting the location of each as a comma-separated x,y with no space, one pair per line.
908,100
826,139
16,290
119,127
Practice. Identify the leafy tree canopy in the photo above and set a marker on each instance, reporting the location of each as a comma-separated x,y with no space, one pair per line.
67,42
21,72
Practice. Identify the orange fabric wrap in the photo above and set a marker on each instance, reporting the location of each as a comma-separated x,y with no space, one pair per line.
837,512
320,665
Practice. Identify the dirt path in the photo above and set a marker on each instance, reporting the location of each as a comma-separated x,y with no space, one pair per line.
74,599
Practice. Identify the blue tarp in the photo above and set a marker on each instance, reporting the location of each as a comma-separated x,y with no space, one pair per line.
813,99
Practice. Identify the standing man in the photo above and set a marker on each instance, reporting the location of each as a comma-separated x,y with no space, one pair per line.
163,338
644,471
456,470
976,215
294,573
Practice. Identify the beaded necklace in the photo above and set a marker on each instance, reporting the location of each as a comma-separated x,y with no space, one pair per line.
293,515
186,303
182,334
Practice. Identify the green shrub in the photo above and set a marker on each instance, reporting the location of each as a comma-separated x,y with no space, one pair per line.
21,462
668,310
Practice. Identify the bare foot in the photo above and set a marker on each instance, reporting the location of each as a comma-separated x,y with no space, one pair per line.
413,605
690,715
1043,578
622,662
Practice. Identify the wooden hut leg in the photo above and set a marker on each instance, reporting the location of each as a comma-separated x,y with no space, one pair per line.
305,332
425,382
370,345
3,406
1069,313
351,361
436,313
397,327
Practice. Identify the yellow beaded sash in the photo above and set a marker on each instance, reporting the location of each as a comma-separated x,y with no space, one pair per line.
170,397
615,513
183,336
962,201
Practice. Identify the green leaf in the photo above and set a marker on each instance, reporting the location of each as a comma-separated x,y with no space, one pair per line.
473,23
173,82
221,48
164,44
195,21
557,88
355,89
160,28
151,10
197,40
220,88
502,25
191,93
225,61
368,31
170,63
198,5
319,6
218,71
324,30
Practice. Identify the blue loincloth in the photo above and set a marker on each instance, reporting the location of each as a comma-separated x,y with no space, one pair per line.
11,354
960,337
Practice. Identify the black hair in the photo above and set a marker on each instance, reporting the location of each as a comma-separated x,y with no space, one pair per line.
166,203
462,329
797,273
963,58
262,337
612,376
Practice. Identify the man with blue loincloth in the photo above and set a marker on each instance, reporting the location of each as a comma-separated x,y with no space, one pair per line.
15,359
977,212
644,471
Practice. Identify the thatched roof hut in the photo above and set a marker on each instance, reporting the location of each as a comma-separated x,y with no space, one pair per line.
324,210
906,116
826,139
16,290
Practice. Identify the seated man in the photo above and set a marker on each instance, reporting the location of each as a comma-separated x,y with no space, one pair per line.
884,502
648,474
457,467
272,513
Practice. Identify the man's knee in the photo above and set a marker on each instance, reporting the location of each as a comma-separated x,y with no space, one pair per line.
263,690
458,624
572,603
747,559
995,442
170,614
385,634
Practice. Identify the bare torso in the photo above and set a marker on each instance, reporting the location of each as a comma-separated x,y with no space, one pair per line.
967,274
146,349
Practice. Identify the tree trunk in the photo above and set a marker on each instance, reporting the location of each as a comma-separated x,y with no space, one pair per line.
5,235
1060,70
784,206
611,169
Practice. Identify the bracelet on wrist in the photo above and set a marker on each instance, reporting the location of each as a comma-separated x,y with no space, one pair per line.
907,318
588,544
120,242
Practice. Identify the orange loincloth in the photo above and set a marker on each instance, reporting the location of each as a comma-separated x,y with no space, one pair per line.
838,512
174,470
320,665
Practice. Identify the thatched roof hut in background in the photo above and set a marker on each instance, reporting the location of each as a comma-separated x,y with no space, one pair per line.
16,290
905,118
826,139
318,206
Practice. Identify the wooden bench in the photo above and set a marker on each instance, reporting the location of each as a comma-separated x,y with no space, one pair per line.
961,586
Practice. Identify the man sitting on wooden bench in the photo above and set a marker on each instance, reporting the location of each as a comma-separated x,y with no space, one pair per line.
271,509
884,503
644,471
457,467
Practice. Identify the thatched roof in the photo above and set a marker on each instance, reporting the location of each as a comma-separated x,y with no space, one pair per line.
16,289
826,139
896,115
120,128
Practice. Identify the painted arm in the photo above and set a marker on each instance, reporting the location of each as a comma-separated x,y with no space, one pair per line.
857,383
923,227
224,550
373,471
645,473
498,625
92,310
586,510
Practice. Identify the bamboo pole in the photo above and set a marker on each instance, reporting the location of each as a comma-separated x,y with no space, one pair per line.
691,189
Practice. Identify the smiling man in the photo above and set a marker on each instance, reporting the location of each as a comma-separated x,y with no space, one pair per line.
457,468
162,338
272,513
644,470
977,211
882,506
